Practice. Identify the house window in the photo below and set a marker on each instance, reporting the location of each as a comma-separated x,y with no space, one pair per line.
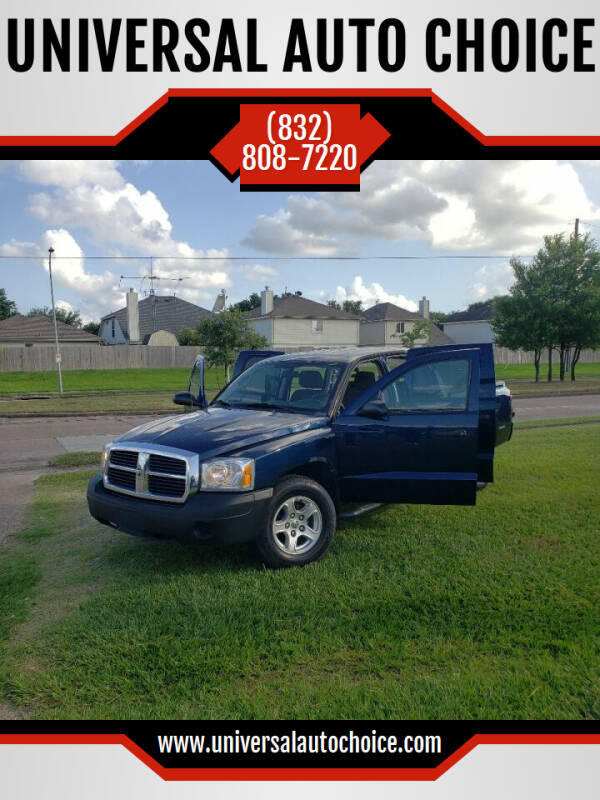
317,326
400,327
113,327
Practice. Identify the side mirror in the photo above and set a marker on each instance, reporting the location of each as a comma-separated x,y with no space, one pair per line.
374,409
184,399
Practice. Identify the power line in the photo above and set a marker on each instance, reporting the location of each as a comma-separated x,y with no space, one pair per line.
275,258
589,224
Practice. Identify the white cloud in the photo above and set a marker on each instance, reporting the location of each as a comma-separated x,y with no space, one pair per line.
97,293
16,248
279,234
490,280
258,272
72,173
94,197
505,206
372,294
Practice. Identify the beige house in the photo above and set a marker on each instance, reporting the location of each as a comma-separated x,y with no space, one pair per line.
294,322
384,324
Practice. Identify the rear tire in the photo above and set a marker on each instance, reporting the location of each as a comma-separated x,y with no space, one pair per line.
300,524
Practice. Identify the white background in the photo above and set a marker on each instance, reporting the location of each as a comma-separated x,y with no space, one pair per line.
493,772
98,103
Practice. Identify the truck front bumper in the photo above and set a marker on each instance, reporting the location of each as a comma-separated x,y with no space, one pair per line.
204,517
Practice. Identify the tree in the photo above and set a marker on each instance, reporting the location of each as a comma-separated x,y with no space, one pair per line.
72,318
249,303
351,306
187,336
221,336
520,324
419,330
298,293
92,327
553,303
437,317
8,308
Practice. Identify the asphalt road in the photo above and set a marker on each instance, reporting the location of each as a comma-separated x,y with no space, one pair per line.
554,407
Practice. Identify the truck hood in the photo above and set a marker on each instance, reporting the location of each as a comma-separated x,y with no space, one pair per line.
220,430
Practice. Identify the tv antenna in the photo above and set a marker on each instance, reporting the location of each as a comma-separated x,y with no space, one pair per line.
151,277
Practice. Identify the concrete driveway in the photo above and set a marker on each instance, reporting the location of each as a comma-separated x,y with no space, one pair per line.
26,445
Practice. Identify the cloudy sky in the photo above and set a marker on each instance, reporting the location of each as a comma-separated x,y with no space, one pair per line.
175,210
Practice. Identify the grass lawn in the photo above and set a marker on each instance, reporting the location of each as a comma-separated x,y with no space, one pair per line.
66,405
106,380
527,372
150,390
417,612
521,388
82,458
556,422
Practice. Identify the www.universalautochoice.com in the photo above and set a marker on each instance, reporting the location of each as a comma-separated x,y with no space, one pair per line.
299,743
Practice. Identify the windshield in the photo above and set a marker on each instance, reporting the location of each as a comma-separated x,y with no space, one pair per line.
284,385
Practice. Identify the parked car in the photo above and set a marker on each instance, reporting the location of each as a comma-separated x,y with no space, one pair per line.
281,452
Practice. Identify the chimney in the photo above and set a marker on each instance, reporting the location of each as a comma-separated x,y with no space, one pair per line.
266,301
424,307
220,302
133,317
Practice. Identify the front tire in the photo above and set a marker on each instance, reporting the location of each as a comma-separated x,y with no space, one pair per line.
300,524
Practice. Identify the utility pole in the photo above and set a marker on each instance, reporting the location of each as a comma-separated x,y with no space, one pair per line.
58,355
577,228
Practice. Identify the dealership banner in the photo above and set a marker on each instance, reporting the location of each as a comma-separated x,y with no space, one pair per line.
443,759
293,98
144,77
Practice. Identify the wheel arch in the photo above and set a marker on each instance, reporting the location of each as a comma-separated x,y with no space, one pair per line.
321,471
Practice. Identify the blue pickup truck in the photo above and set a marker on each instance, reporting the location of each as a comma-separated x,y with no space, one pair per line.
296,441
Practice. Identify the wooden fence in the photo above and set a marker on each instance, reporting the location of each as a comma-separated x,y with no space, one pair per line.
502,355
82,356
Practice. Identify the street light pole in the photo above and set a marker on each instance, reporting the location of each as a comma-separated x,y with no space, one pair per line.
58,355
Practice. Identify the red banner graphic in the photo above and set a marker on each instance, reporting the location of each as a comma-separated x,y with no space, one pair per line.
300,144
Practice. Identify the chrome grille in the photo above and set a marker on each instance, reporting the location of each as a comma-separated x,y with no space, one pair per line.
172,466
163,485
118,477
151,472
124,458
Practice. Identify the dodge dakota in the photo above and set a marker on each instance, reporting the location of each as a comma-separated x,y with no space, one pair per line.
296,441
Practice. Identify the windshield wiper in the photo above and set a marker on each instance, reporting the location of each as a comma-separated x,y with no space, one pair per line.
261,405
223,403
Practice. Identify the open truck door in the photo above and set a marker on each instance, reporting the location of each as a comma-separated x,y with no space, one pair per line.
248,358
196,393
419,434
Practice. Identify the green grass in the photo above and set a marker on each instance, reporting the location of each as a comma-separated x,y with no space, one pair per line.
556,422
151,390
106,380
520,388
80,459
527,372
134,403
417,612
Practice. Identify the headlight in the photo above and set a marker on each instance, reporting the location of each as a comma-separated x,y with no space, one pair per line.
229,474
104,456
